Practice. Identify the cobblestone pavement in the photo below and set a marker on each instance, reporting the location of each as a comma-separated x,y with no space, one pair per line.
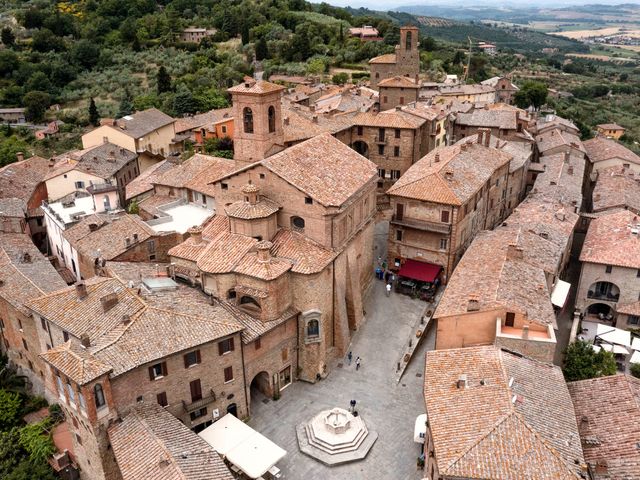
387,408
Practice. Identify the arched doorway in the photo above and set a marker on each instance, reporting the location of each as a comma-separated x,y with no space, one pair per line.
361,147
260,387
600,312
232,408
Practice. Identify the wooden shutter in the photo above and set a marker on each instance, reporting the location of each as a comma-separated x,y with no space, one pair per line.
164,369
231,348
151,374
186,360
220,348
196,390
198,358
228,374
162,399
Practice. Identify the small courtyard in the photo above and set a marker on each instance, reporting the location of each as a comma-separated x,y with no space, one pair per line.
387,407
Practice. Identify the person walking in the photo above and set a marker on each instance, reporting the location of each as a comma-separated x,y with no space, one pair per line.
388,289
353,406
358,363
349,357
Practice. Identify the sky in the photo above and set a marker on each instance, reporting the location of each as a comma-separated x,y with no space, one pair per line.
392,4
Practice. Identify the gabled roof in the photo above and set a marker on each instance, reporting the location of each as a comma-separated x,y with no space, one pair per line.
324,168
513,417
450,175
203,119
142,123
75,362
20,179
558,138
616,187
503,119
13,207
398,82
188,173
600,149
151,444
386,58
613,239
253,87
610,126
144,182
608,414
389,119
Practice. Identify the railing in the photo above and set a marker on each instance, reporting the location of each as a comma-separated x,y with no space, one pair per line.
198,404
424,225
607,297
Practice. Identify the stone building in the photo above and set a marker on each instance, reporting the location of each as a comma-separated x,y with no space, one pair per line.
610,275
493,414
397,91
405,62
295,236
257,120
100,238
616,188
443,200
195,34
611,130
107,351
504,124
201,127
605,153
26,274
505,89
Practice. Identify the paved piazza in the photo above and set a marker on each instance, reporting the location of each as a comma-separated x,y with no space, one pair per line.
388,408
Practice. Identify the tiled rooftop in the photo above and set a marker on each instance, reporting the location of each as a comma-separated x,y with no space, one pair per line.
144,182
503,119
13,207
398,82
480,432
616,188
600,149
75,362
386,58
203,119
555,138
250,86
608,415
20,179
613,239
151,444
142,123
450,175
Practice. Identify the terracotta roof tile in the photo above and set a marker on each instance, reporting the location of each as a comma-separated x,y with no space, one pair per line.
386,58
616,187
600,149
450,175
142,123
324,168
203,119
608,414
632,308
251,265
13,207
389,119
555,138
399,82
255,87
306,255
224,253
144,182
245,210
151,444
215,169
479,432
75,362
613,239
20,179
610,126
189,170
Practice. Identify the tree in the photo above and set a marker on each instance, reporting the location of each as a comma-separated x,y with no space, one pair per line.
7,36
531,94
8,62
9,147
635,370
262,49
10,404
126,106
184,102
340,78
315,66
164,80
582,362
85,53
44,40
36,103
133,208
94,117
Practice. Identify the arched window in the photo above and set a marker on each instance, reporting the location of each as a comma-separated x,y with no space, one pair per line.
247,118
313,328
408,40
250,304
99,396
297,222
231,293
377,75
272,119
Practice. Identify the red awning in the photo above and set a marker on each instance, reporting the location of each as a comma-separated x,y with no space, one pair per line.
424,272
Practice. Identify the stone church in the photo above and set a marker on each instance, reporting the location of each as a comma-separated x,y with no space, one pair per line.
405,62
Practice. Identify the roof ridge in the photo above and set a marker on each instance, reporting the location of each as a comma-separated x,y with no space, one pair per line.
22,274
132,320
172,312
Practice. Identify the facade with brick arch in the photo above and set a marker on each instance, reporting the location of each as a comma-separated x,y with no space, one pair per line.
405,62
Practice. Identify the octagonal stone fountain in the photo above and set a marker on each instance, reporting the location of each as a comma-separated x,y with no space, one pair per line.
335,436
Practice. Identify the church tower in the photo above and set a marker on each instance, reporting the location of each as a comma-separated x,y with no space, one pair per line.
257,120
407,54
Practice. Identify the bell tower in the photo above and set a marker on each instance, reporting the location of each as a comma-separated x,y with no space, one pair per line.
407,54
257,120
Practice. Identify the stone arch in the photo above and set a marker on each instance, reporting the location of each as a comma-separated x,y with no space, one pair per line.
361,147
408,40
312,326
271,117
603,290
247,120
250,304
260,385
297,223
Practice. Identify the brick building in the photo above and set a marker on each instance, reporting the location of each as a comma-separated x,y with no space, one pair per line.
493,414
504,124
26,274
204,126
296,236
605,153
616,188
107,351
397,91
405,62
443,200
505,89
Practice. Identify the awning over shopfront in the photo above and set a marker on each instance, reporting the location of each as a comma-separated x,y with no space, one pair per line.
420,428
560,293
421,271
250,451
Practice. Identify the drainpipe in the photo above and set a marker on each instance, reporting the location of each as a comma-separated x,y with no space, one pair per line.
244,374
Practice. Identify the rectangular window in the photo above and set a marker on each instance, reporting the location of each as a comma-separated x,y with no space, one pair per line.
228,374
198,414
381,172
20,324
608,269
224,186
308,200
224,129
444,216
285,377
65,336
397,133
158,371
162,399
151,246
43,322
196,390
396,151
192,358
401,100
359,130
399,235
381,134
79,184
380,149
395,174
225,346
443,244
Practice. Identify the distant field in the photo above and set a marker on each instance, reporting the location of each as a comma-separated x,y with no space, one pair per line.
601,32
602,58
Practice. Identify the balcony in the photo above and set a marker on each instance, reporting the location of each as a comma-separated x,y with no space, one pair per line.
423,225
605,291
198,404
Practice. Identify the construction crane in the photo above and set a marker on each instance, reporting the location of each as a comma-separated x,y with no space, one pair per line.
466,69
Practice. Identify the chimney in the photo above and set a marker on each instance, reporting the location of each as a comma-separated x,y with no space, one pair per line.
312,108
135,237
487,137
560,215
525,332
81,290
105,139
85,341
463,147
127,242
196,235
448,175
437,157
251,192
602,467
264,254
462,382
93,227
474,303
20,156
514,252
109,301
123,151
247,85
112,156
126,319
